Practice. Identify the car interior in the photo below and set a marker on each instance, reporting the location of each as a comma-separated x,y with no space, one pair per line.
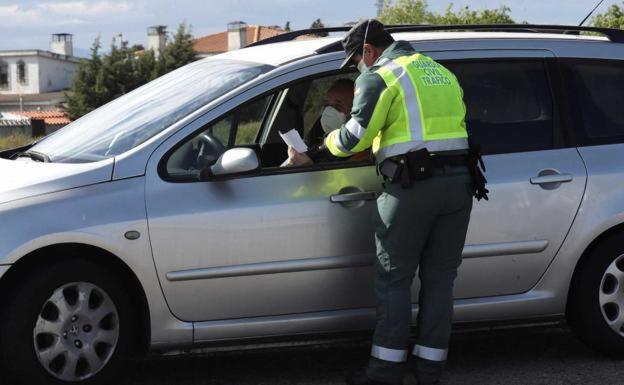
257,124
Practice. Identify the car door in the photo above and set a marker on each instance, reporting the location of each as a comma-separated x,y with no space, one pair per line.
283,241
536,183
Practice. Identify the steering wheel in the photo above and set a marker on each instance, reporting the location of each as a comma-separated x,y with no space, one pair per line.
209,150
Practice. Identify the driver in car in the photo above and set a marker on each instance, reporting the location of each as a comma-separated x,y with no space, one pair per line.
337,110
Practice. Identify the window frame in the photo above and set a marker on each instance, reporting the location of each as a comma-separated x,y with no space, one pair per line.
22,80
6,65
560,133
270,112
575,114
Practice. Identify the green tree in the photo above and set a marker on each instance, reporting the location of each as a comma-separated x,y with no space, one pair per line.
465,15
178,53
613,17
316,24
417,12
287,26
405,12
87,90
103,78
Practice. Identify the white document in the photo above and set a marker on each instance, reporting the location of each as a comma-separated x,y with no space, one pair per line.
293,139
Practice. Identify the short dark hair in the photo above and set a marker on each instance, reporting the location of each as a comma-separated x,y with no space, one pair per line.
343,84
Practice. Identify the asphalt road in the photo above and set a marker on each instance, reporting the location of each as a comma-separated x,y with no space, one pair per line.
527,356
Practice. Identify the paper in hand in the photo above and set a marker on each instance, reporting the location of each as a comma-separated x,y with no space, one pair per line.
293,139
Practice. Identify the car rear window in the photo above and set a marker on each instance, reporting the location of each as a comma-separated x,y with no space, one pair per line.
508,104
598,90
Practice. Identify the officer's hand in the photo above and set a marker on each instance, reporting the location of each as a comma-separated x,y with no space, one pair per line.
298,159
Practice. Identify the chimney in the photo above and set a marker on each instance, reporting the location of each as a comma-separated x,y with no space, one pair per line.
237,35
157,38
62,44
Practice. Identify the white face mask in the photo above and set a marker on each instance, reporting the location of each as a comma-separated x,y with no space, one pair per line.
362,67
332,119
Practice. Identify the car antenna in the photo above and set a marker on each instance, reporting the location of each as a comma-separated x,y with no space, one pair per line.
592,11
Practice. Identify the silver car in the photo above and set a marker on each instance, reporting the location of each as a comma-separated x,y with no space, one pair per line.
163,220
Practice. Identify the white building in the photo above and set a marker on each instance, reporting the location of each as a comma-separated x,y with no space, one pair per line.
37,71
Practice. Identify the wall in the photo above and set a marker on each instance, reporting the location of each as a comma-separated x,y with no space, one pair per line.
55,75
32,74
44,74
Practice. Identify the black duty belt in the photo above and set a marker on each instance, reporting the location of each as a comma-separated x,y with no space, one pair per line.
419,165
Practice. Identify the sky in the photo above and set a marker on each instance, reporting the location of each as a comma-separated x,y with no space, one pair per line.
29,24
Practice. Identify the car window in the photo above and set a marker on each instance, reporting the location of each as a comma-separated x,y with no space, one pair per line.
300,108
315,99
240,127
598,92
508,104
133,118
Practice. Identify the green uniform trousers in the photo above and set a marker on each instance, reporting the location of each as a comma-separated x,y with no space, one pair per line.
422,227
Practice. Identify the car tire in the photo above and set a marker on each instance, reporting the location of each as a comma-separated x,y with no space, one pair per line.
69,322
595,308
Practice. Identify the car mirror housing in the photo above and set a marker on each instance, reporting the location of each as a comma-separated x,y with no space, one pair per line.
232,163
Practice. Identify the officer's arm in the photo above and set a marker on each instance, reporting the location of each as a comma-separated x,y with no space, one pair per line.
370,108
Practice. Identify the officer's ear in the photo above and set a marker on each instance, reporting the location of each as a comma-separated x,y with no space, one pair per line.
369,53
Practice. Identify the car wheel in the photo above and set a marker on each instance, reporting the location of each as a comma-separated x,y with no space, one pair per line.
67,323
596,302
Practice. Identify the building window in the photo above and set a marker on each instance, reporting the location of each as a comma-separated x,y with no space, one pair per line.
4,75
22,75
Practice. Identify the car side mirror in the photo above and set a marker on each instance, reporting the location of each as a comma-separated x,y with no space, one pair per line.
233,162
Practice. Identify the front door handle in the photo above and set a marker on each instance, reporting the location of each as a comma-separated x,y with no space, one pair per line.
354,196
552,178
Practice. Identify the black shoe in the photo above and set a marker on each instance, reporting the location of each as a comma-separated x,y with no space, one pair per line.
360,378
427,372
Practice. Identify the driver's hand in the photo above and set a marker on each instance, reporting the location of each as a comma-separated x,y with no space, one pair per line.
298,159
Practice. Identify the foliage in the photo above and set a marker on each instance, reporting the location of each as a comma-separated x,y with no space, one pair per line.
287,26
103,78
318,24
417,12
405,12
15,140
613,17
178,53
465,15
87,90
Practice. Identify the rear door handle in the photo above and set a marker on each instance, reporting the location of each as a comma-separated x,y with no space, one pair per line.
552,178
354,196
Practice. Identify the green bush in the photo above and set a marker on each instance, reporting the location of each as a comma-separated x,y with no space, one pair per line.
14,140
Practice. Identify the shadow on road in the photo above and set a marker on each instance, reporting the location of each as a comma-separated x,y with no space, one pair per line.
519,356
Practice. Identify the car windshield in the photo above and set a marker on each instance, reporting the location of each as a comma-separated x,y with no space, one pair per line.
133,118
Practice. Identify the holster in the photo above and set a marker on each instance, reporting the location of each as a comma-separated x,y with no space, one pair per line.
477,168
415,165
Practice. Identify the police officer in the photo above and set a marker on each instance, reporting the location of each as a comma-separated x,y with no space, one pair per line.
410,110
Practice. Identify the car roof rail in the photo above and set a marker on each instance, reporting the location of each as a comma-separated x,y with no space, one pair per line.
292,35
614,35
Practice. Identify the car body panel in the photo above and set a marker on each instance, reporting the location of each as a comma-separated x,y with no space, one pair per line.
268,219
3,270
26,178
97,215
602,210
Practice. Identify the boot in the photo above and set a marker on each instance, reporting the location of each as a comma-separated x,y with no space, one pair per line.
427,372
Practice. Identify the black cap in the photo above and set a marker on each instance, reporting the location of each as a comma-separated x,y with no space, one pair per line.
353,42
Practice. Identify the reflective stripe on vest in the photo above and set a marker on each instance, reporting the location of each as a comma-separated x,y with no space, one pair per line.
428,112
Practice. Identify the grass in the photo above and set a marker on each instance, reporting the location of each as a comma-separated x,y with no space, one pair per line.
14,140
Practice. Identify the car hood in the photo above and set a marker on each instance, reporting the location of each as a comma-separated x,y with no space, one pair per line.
25,178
